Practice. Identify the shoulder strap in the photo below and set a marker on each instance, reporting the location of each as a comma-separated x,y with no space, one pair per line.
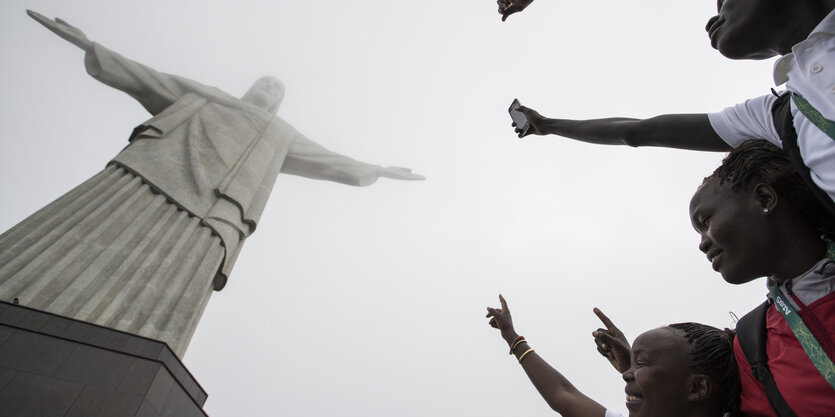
807,340
825,125
784,124
751,332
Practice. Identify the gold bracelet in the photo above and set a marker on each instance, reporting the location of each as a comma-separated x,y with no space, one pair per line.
522,356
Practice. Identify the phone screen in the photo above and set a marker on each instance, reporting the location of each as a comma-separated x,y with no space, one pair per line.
519,117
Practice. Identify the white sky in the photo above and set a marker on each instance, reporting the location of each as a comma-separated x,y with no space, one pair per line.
371,301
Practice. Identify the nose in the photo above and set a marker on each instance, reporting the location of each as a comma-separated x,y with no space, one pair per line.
628,375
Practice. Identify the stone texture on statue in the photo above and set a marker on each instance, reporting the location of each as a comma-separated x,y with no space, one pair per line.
113,252
140,246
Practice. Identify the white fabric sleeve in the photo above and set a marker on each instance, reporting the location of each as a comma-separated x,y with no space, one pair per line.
610,413
749,120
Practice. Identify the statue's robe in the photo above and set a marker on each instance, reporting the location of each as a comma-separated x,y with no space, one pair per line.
140,246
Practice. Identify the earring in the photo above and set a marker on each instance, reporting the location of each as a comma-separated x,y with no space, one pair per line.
765,210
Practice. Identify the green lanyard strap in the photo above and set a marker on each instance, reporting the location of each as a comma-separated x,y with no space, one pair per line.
801,332
814,116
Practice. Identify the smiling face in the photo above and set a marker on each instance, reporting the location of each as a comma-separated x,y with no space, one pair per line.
659,382
735,235
754,29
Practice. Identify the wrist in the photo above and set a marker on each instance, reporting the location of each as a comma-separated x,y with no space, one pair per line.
509,336
547,126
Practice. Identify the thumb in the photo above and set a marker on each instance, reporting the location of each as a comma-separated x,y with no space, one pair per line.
605,337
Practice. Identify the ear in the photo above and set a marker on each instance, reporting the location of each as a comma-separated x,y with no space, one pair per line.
700,387
765,197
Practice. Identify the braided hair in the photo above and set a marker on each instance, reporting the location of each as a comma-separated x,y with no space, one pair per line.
712,354
759,161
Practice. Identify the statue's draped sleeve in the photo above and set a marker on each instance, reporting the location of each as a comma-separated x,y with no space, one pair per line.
307,158
155,90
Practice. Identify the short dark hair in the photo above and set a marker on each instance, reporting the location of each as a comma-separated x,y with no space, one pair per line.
759,161
712,354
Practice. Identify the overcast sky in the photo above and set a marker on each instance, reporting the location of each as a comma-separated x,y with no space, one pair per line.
371,301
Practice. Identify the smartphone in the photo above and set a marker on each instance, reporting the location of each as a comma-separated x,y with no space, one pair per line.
519,117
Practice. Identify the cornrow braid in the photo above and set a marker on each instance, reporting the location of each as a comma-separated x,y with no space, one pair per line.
712,354
759,161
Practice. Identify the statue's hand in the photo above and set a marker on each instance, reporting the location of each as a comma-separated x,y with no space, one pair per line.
399,173
64,30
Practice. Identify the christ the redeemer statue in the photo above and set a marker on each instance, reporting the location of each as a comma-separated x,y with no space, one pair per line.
140,246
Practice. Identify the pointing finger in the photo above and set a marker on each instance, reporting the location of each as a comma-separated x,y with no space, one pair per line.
606,322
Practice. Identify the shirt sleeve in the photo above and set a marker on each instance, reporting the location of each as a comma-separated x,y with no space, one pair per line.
750,120
610,413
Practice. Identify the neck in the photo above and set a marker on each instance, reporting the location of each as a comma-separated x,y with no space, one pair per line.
805,16
800,256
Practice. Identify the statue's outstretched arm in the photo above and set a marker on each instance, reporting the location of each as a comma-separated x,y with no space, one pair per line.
309,159
153,89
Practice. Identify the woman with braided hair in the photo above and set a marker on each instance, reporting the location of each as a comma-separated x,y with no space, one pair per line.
684,370
758,218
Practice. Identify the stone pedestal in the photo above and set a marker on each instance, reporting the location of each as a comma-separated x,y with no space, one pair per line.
51,365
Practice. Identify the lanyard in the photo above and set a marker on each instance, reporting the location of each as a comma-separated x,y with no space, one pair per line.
814,116
804,336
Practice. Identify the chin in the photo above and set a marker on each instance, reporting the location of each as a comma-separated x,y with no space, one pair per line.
736,279
736,54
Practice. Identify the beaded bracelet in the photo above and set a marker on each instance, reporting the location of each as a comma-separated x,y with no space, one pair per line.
517,342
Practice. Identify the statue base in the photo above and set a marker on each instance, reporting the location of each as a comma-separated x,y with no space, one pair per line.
51,365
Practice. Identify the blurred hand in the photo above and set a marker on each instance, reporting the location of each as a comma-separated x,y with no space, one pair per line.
611,343
508,7
500,317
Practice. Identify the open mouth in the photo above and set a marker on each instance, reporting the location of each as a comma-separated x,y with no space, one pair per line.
714,258
634,402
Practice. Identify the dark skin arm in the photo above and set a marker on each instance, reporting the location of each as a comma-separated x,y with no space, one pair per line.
556,389
682,131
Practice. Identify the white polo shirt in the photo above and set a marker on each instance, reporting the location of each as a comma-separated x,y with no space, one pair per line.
808,70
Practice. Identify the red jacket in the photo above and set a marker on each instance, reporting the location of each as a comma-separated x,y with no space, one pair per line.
803,387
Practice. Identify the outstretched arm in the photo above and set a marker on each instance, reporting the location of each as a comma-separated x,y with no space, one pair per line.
153,89
556,389
307,158
683,131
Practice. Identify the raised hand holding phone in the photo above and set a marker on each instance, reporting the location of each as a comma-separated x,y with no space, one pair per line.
520,121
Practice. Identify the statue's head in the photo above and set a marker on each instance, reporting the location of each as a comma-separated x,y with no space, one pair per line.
266,93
